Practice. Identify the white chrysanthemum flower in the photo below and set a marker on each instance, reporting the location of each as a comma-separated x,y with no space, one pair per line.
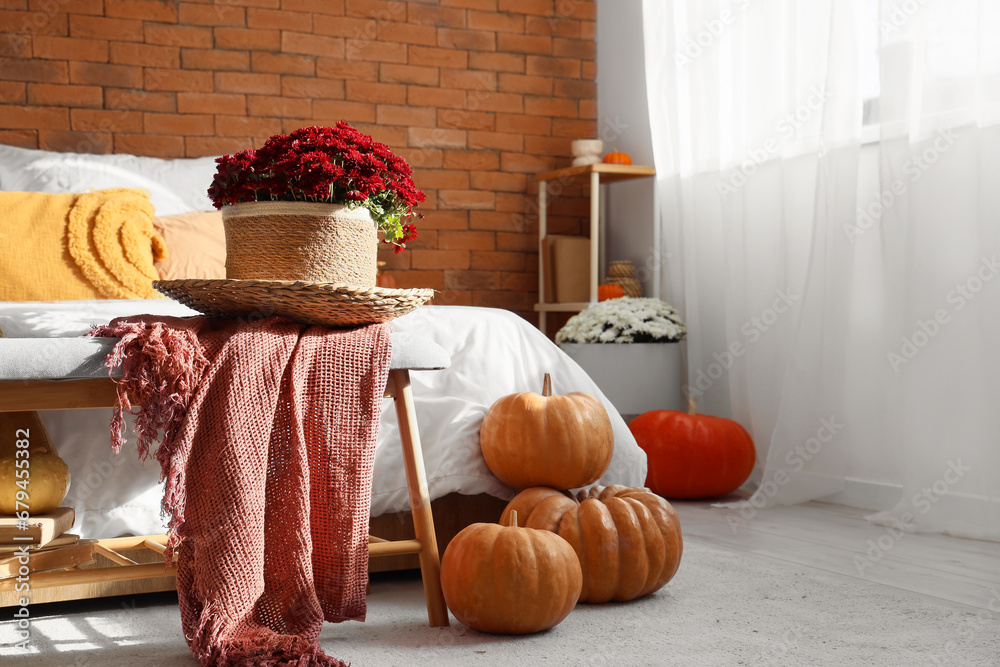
624,320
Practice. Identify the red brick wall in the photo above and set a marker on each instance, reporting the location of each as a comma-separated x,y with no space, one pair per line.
477,94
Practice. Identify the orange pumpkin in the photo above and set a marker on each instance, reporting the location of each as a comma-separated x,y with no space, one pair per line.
510,580
610,291
531,439
615,157
628,540
693,456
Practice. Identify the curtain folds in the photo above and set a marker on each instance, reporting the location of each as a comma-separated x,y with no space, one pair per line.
838,292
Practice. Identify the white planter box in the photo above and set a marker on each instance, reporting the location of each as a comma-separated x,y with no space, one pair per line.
636,377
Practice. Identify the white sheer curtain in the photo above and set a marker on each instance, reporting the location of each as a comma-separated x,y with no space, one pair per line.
806,258
940,243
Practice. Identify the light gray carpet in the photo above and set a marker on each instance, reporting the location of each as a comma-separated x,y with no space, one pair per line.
722,608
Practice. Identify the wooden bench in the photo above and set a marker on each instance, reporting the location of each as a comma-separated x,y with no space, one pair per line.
69,373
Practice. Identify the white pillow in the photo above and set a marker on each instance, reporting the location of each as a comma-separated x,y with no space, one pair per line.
175,186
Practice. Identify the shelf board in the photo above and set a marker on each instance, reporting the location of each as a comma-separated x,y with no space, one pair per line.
609,173
567,307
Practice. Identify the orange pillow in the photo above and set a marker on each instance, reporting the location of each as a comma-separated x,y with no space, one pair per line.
196,246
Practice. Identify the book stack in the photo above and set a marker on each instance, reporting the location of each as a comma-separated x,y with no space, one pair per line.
567,268
48,544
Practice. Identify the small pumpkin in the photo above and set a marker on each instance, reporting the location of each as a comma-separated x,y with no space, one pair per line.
610,291
510,580
48,482
616,157
531,439
628,540
693,456
48,475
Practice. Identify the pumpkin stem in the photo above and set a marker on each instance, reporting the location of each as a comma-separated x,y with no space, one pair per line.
547,385
693,405
513,518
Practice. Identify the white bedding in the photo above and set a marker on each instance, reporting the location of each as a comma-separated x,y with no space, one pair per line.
175,186
494,353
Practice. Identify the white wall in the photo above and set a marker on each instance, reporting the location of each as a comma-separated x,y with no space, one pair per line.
623,124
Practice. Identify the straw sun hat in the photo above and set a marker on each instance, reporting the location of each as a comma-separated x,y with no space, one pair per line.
312,263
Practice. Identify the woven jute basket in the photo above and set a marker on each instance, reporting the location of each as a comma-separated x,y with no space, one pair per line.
621,268
313,263
330,304
276,240
631,286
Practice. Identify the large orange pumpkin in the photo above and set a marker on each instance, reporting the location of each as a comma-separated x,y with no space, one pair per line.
693,456
531,439
628,540
510,580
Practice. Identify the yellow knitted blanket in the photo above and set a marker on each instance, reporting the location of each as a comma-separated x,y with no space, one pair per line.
96,245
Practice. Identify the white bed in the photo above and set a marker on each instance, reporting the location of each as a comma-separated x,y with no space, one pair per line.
494,353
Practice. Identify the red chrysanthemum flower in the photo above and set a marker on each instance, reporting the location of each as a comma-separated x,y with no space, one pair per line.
324,164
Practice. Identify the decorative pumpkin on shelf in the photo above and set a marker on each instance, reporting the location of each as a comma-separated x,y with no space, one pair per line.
531,439
693,456
48,475
610,291
510,580
616,157
628,540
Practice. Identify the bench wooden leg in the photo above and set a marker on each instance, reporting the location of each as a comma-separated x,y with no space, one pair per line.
420,503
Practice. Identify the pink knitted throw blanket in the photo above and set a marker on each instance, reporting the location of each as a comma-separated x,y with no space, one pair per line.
268,442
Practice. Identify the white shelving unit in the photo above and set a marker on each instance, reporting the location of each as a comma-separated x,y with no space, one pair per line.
598,175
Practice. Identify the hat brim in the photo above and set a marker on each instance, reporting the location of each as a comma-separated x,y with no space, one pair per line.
334,305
